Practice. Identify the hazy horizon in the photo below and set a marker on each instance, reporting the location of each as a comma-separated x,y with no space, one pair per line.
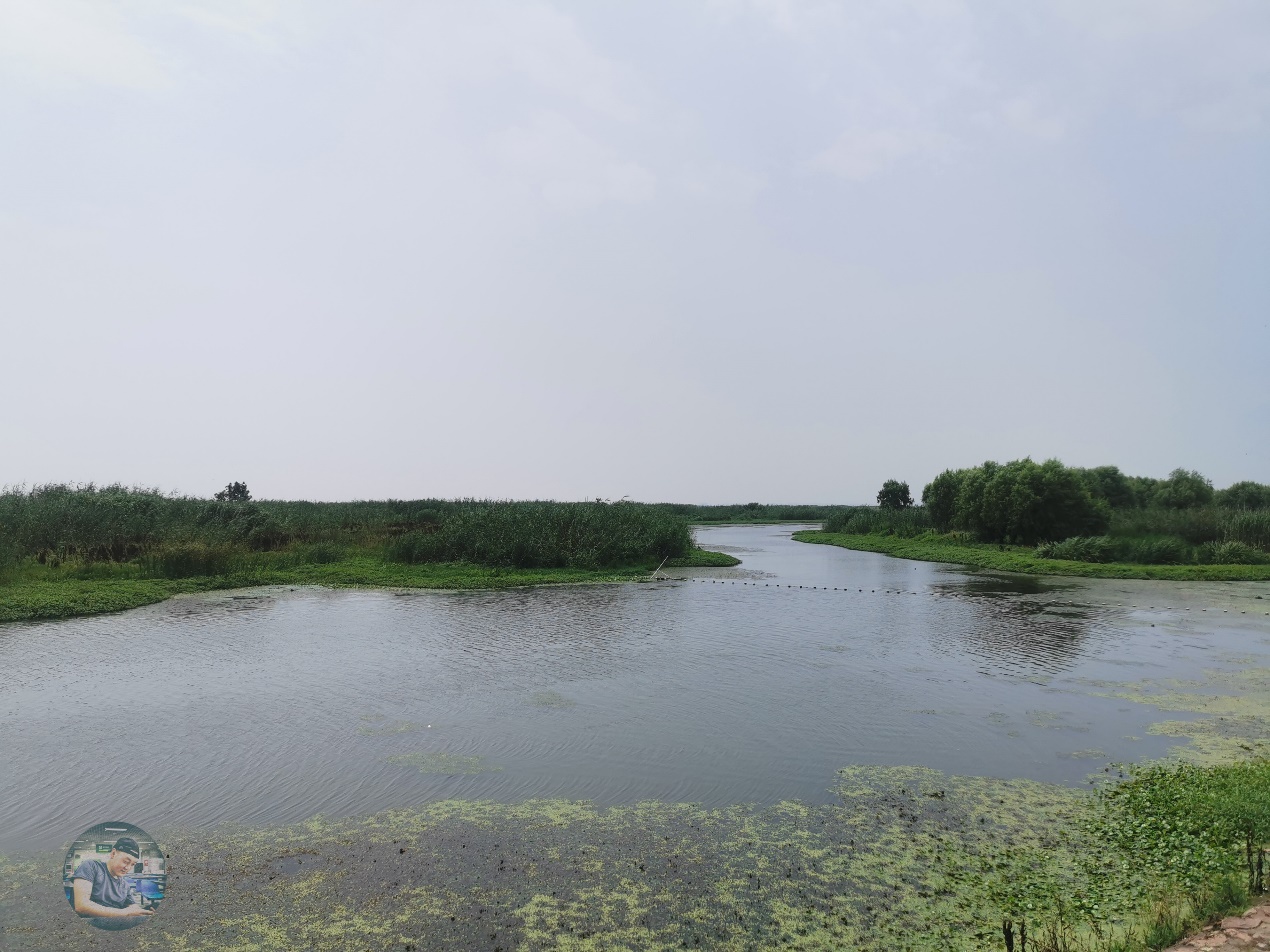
714,252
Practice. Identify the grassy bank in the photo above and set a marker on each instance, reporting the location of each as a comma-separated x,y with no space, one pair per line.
932,547
35,592
907,859
46,595
67,551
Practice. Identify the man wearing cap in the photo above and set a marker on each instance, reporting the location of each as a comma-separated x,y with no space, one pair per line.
101,891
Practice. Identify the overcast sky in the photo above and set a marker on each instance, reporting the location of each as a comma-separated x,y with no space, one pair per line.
690,250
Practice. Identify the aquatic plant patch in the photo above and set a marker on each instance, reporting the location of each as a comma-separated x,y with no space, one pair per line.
1235,709
909,858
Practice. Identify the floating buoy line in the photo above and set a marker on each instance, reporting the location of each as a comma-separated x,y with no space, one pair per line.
888,591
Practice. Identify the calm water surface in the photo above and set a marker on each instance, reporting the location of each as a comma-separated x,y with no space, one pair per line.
732,686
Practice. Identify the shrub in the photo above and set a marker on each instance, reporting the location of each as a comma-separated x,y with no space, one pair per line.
1195,526
1152,551
323,553
187,560
415,548
1229,553
1079,549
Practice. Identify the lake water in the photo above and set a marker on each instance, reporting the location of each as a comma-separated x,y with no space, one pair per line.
733,686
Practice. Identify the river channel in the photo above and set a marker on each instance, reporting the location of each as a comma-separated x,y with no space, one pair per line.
746,685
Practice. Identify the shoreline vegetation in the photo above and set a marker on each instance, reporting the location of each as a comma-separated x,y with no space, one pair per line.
906,858
1051,519
932,547
68,551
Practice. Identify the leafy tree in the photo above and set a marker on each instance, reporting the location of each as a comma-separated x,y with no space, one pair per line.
1021,502
1244,495
940,498
1145,490
894,495
1108,483
234,492
1185,489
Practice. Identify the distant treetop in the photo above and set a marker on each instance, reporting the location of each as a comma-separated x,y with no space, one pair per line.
234,492
894,495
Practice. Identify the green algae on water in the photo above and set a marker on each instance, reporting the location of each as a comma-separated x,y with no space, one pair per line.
1235,705
909,858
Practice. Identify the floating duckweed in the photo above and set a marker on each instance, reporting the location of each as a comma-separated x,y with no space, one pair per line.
910,858
1237,705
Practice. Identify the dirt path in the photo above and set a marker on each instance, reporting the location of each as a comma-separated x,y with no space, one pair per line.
1233,934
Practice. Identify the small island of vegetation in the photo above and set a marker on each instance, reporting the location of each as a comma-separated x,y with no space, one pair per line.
1051,519
82,550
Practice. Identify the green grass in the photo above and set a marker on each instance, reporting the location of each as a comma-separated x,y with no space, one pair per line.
703,558
934,548
34,592
31,598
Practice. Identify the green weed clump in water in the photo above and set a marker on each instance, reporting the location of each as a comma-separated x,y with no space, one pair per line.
1235,706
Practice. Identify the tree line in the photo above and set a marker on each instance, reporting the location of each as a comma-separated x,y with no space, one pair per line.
1025,503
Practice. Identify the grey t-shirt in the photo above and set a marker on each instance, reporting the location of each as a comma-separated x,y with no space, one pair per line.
106,889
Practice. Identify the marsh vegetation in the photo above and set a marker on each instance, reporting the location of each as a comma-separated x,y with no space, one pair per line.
68,550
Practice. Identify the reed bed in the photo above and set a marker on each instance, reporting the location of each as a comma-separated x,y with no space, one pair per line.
750,512
548,535
174,537
875,520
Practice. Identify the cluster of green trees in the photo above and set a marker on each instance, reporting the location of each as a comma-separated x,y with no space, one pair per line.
1097,514
1024,502
1021,502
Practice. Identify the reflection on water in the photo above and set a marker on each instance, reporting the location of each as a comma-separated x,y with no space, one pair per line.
734,686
